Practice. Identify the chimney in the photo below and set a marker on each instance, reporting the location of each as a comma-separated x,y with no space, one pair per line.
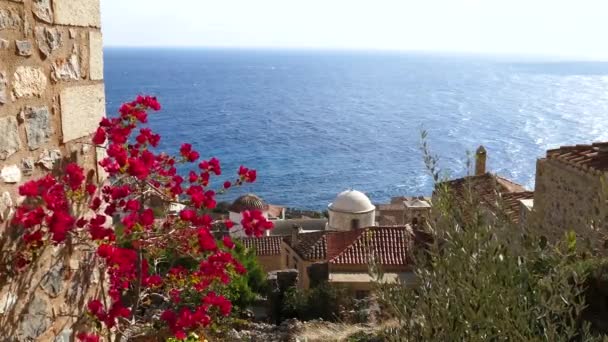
295,231
480,161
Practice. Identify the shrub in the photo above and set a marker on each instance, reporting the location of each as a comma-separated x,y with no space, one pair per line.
484,279
244,289
164,272
325,301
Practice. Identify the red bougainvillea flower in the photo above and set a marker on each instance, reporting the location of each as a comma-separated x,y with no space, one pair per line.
255,223
128,234
74,176
100,136
227,241
247,175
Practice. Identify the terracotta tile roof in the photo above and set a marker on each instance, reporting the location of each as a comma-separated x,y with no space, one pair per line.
310,246
486,187
387,245
592,157
264,246
511,205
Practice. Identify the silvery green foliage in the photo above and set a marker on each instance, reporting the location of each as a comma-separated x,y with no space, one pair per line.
483,279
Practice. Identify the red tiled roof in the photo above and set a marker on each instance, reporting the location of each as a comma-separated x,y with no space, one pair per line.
486,187
511,205
387,246
310,246
264,246
592,157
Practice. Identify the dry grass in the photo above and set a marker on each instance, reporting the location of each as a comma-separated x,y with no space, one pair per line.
334,332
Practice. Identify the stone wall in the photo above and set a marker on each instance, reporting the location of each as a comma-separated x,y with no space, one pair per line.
271,263
51,86
568,198
51,100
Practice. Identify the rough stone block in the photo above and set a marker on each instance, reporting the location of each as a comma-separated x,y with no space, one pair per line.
9,137
81,110
48,40
4,44
10,174
6,208
10,19
42,10
3,86
66,69
36,321
47,159
38,126
95,55
52,282
77,13
29,81
27,166
24,48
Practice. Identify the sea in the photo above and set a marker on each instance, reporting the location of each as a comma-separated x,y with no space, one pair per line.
314,123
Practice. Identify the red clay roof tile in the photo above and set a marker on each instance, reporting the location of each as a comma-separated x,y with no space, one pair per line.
592,157
264,246
384,245
310,246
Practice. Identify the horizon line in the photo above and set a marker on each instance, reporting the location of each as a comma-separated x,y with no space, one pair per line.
561,57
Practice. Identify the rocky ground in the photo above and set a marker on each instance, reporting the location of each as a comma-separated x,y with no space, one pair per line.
296,331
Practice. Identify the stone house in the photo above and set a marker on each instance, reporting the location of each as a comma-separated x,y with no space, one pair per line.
342,250
571,191
302,250
346,256
414,211
497,195
269,251
389,248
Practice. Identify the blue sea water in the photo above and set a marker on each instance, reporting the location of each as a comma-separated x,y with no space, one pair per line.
314,123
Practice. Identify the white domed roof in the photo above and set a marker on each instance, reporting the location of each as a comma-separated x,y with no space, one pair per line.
352,201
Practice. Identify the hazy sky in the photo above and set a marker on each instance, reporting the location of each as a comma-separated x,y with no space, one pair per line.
576,28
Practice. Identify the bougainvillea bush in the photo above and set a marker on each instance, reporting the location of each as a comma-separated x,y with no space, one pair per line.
163,272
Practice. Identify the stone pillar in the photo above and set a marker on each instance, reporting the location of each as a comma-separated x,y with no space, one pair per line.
51,100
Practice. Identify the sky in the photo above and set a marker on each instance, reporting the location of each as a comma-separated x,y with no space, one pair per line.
566,28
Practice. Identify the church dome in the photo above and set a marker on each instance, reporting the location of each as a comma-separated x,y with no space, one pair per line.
248,202
352,201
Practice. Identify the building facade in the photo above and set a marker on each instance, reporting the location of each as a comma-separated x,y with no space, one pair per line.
571,191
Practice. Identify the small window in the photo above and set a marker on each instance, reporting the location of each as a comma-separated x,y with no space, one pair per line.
354,224
415,221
